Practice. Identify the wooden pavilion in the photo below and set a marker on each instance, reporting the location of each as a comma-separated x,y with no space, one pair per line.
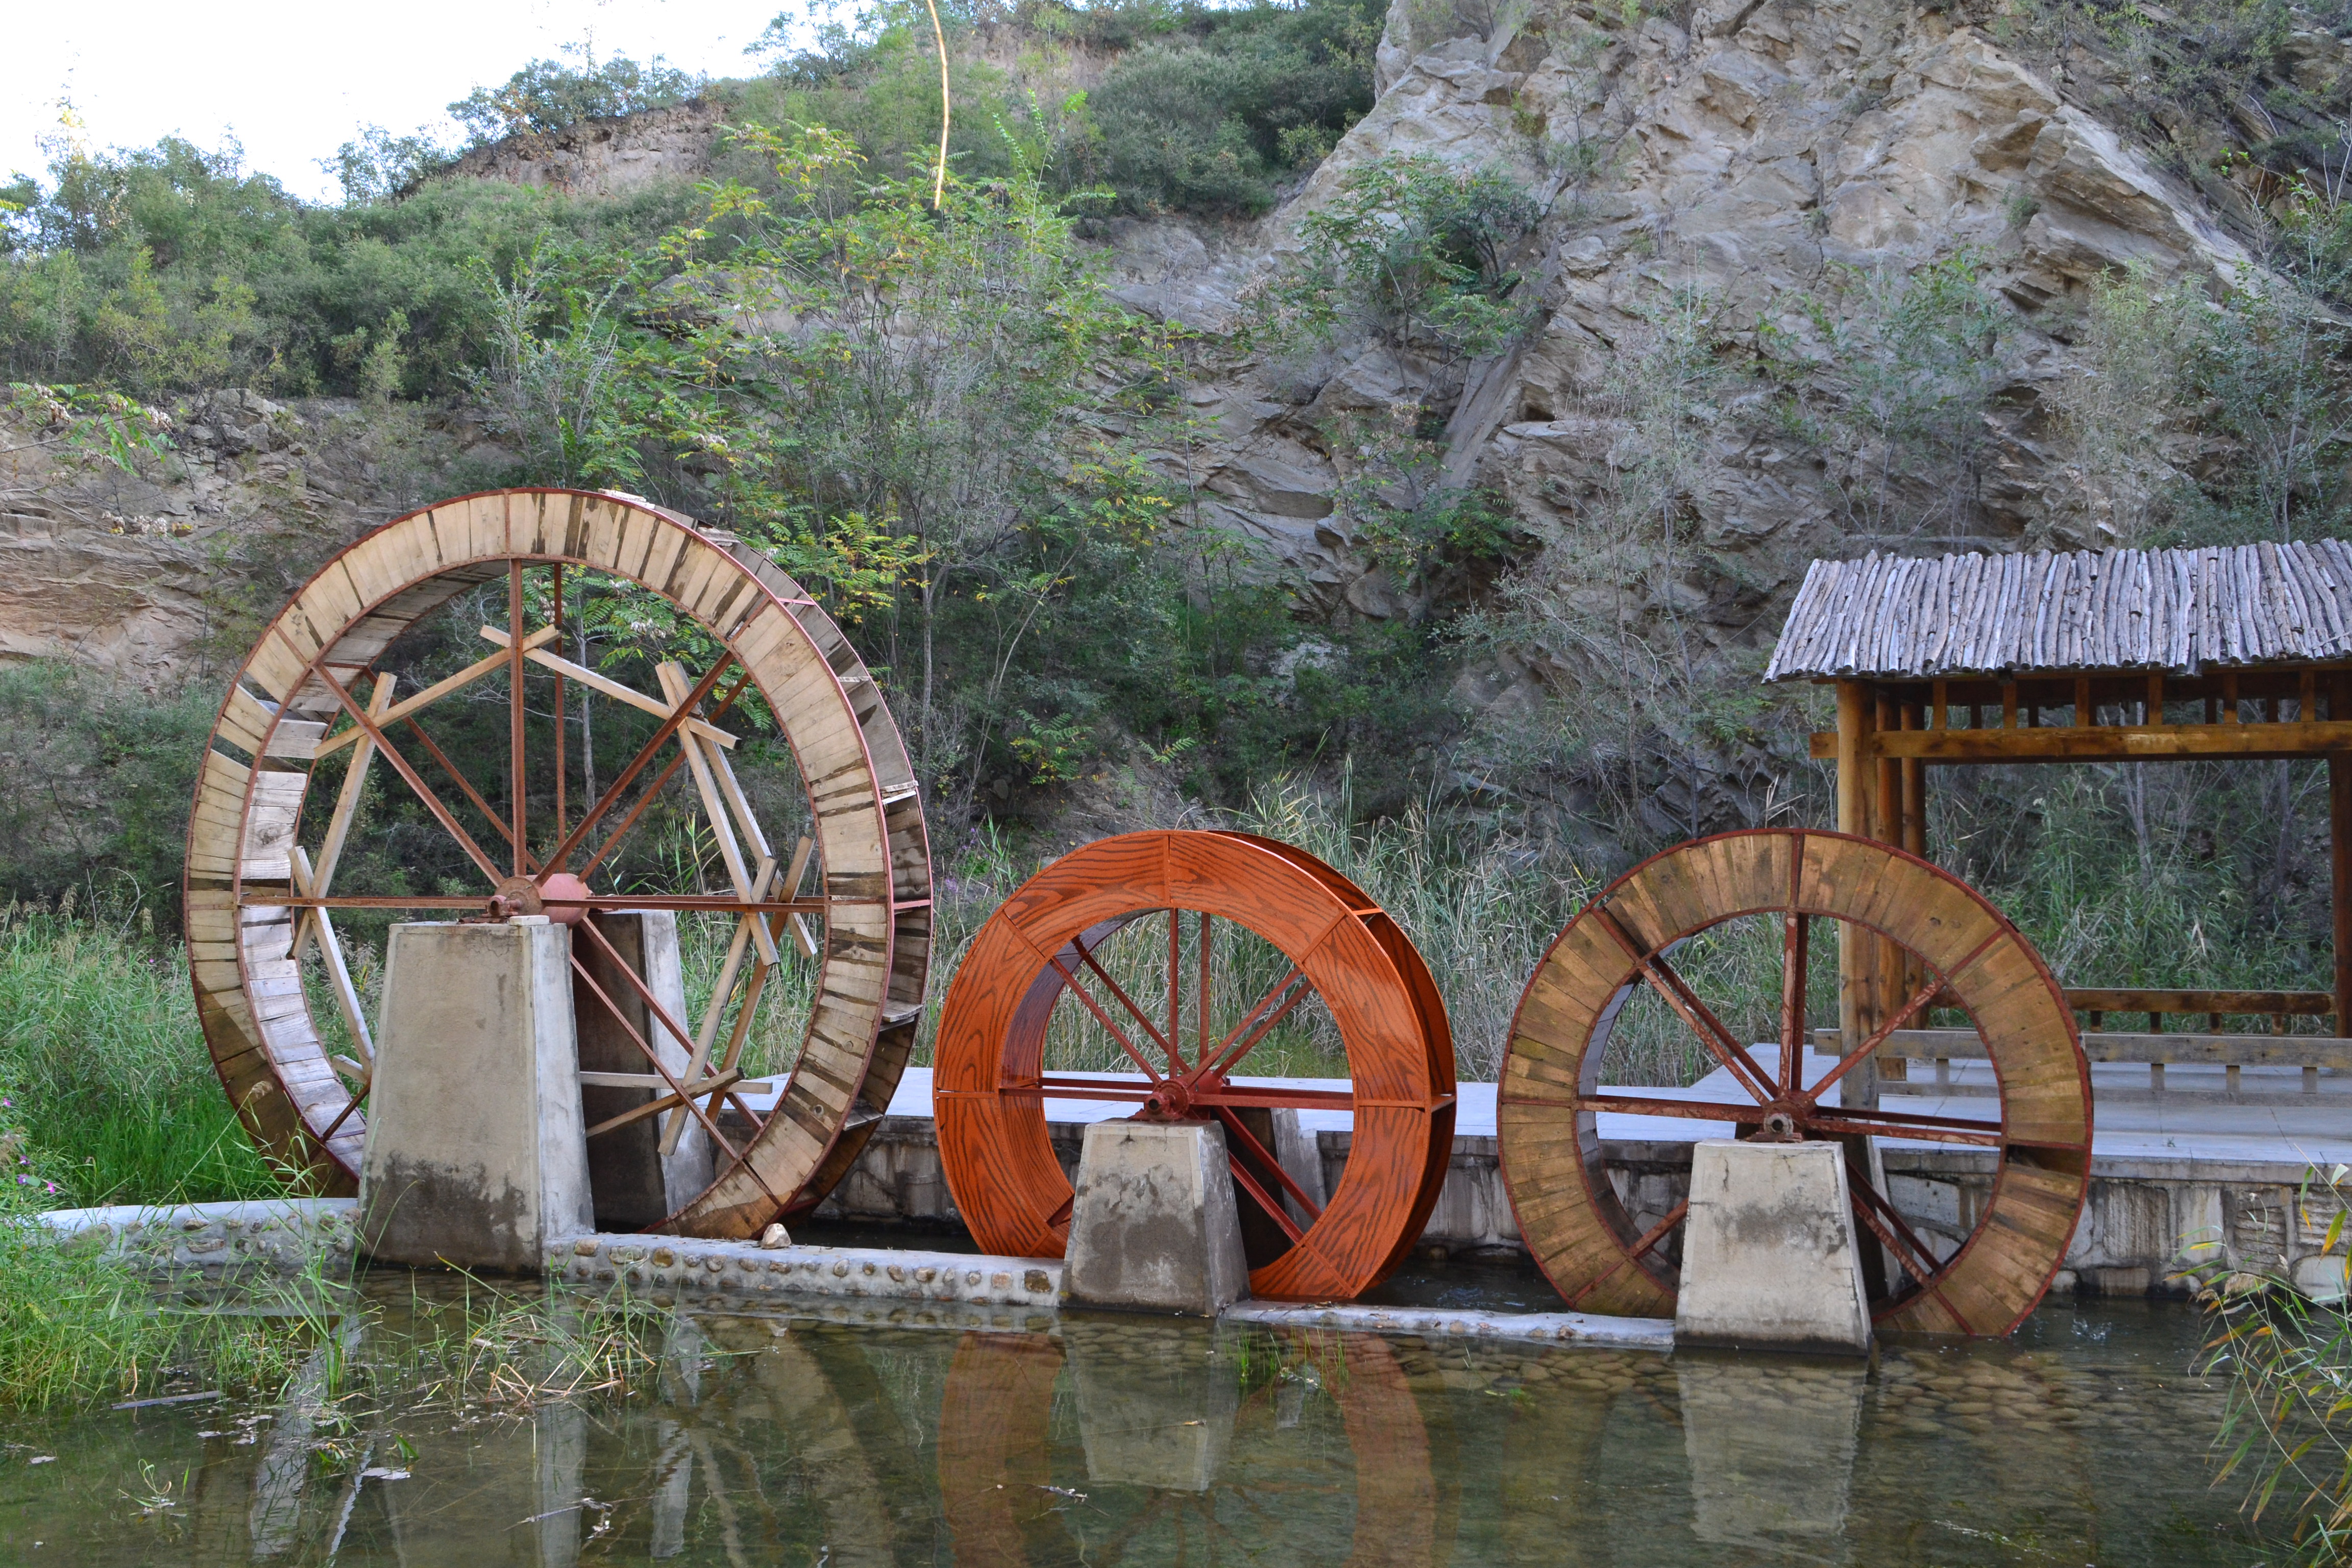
2089,656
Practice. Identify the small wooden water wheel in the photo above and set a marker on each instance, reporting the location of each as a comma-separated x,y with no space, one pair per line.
1273,933
263,855
1976,1274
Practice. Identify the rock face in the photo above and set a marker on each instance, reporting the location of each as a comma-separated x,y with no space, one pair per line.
605,157
129,573
1743,160
1742,152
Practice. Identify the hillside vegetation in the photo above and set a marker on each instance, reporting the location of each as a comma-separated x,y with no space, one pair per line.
945,422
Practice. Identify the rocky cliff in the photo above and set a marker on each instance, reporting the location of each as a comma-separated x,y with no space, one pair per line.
1746,153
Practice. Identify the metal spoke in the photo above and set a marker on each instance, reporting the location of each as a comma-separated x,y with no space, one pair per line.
489,813
1704,1024
1102,1017
515,781
1664,1228
1086,957
1910,1010
1693,1110
1175,967
1264,1200
1896,1237
661,1015
638,763
1080,1088
653,792
344,1115
1270,1097
1796,935
1201,1001
1903,1124
1237,1128
401,765
1229,1053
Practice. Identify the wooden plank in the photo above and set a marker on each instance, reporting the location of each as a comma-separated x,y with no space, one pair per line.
2102,744
2339,884
2105,1045
2241,1003
605,684
434,693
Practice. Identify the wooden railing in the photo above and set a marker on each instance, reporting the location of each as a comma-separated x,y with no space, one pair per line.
2279,1007
2156,1046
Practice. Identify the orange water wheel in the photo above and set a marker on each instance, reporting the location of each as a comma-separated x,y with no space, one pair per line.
1956,1259
1178,955
270,870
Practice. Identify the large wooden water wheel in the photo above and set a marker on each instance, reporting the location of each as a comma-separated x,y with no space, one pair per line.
1952,1272
315,700
1240,936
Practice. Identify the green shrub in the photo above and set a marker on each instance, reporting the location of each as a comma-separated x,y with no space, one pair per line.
1207,117
545,96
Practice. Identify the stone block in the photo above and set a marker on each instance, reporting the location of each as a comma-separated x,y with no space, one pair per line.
2322,1277
476,1155
1770,1257
1153,1225
635,1184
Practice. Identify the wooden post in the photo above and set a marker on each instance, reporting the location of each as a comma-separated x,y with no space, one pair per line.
2340,881
1857,784
1906,827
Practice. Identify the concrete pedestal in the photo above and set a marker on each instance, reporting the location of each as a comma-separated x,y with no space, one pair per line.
1153,1225
634,1183
475,1149
1769,1260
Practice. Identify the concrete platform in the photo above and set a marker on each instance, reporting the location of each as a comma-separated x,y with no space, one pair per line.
2162,1173
1445,1322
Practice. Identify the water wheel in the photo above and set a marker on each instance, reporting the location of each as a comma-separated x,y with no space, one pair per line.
1235,937
313,699
1953,1273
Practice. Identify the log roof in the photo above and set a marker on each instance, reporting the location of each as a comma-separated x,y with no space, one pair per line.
1889,618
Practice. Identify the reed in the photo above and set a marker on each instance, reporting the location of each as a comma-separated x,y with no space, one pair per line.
2286,1434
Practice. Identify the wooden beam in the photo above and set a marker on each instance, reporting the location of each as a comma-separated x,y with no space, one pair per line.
613,689
1857,963
674,685
2339,883
2105,744
347,995
431,694
2244,1050
2307,1004
1847,746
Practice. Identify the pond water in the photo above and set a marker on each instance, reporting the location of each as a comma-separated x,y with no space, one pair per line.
1116,1440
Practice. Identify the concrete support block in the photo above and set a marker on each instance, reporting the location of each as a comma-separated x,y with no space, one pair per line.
634,1183
1153,1225
1769,1259
474,1155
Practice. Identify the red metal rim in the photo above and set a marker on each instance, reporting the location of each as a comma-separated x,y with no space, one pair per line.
991,1082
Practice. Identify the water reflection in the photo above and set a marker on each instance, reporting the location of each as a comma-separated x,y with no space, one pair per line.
1136,1441
1772,1448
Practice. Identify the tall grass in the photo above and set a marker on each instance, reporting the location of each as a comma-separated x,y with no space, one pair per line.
114,1092
2287,1432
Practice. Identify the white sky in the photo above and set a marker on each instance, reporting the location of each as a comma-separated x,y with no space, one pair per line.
295,81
